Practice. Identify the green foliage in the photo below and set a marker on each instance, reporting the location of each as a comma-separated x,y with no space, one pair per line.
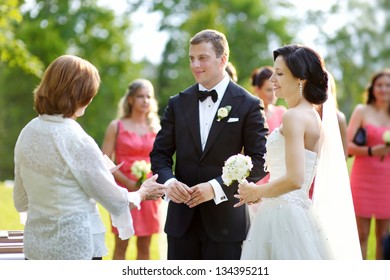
13,51
353,47
50,29
356,47
9,218
250,27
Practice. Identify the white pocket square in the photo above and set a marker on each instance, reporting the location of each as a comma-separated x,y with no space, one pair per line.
233,120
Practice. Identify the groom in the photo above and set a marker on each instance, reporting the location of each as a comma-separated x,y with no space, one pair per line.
201,222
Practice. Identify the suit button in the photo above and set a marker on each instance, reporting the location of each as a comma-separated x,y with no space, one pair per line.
201,164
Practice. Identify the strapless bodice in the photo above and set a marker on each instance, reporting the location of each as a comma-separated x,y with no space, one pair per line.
275,162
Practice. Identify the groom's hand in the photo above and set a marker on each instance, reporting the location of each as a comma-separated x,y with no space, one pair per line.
179,192
201,193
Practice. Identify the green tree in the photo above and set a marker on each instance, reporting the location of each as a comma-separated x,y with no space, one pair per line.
250,27
51,28
356,37
13,51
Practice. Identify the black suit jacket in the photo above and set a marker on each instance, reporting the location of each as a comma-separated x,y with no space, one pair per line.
180,134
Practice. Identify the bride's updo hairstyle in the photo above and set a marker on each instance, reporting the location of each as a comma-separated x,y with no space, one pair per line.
306,64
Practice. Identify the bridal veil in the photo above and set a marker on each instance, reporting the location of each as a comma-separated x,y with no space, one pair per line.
332,197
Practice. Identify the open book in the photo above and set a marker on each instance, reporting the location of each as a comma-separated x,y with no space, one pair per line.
110,165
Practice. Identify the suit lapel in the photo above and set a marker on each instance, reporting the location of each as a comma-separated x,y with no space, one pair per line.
190,108
233,97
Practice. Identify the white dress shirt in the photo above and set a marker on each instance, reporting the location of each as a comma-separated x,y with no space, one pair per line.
207,113
60,174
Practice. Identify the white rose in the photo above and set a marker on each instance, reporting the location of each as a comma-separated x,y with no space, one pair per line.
222,113
236,168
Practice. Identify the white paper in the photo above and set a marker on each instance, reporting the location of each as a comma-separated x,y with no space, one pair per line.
110,165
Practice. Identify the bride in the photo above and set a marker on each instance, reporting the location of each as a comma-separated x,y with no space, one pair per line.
287,226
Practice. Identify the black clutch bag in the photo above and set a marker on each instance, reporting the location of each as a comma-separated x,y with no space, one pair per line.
360,137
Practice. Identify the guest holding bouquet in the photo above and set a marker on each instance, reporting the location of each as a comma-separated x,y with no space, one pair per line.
370,176
129,139
60,172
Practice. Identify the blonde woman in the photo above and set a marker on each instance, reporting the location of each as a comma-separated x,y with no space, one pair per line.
129,138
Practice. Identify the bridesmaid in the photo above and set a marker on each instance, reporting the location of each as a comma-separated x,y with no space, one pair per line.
128,138
264,89
370,176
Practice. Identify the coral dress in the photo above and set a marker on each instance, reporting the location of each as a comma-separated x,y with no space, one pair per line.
370,180
131,147
286,227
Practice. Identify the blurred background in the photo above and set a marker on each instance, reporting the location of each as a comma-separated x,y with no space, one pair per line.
127,39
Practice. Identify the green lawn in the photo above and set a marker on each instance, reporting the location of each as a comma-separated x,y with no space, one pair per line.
9,220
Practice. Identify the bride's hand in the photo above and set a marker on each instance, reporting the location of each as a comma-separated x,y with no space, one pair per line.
247,193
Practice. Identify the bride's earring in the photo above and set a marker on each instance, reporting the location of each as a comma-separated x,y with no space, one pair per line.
300,88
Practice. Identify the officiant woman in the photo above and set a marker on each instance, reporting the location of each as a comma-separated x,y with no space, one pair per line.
60,172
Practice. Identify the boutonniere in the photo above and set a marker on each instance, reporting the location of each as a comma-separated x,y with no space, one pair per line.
223,112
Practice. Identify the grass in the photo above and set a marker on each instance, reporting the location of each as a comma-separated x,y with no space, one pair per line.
9,220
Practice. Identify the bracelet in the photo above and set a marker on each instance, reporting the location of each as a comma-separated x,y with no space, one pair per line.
370,151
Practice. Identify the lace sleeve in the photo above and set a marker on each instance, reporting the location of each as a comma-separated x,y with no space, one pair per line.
19,193
87,164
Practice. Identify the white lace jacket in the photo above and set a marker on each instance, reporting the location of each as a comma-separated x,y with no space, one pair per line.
60,174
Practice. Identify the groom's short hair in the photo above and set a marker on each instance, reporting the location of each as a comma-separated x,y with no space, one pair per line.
216,38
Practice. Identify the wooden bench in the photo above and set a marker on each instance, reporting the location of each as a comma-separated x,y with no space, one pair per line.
11,244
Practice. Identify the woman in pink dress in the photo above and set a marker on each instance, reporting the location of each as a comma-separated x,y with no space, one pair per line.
129,138
370,175
264,89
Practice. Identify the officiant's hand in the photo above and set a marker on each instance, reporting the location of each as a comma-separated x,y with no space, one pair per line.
151,190
201,193
247,193
179,192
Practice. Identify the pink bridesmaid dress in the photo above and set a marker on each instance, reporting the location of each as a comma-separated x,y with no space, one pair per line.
131,147
370,179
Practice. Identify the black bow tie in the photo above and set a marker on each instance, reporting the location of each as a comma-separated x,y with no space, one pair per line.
202,95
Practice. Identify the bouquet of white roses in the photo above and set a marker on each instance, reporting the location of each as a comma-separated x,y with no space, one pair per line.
140,169
236,168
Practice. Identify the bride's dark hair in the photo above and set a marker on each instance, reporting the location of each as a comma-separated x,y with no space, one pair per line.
306,64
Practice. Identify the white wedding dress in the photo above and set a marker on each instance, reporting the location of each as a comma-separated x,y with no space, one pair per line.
286,227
